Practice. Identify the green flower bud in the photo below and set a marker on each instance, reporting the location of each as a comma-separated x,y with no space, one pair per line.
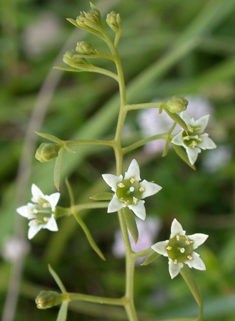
176,104
46,152
85,48
48,299
90,20
72,59
114,21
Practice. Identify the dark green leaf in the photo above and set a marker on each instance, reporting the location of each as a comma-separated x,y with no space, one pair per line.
129,218
57,279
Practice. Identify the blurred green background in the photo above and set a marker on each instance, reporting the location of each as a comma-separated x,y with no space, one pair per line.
168,48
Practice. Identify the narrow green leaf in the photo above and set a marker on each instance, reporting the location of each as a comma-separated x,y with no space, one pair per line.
150,259
179,151
62,315
50,137
57,279
57,169
88,235
129,218
102,197
176,118
189,279
64,68
72,21
166,148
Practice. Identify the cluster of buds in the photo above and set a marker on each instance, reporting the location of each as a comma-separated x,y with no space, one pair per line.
72,59
114,21
85,48
90,20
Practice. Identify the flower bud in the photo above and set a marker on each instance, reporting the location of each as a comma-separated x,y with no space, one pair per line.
46,152
48,299
176,104
90,20
72,59
85,48
114,21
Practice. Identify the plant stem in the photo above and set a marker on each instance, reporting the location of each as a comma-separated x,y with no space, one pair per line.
96,299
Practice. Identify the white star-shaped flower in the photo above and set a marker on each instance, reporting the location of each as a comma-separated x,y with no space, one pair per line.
40,212
194,140
129,191
180,249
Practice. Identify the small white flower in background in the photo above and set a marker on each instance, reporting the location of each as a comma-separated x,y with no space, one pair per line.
14,248
129,191
151,123
40,212
180,249
148,231
194,140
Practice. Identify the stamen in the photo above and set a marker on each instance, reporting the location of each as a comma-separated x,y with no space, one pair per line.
193,144
45,219
126,203
121,185
142,189
135,200
190,257
175,262
38,200
187,242
44,205
132,180
35,221
177,237
200,139
169,248
190,129
182,250
186,138
132,189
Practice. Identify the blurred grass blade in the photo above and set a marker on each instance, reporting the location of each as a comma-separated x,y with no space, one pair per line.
57,169
57,279
130,221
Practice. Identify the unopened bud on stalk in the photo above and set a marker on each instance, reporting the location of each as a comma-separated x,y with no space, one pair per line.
48,299
114,21
176,104
85,48
47,152
72,59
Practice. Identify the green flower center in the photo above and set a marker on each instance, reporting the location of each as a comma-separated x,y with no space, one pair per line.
43,212
193,138
129,191
180,249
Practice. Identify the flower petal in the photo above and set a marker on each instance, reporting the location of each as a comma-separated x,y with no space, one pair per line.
37,193
176,229
160,247
26,211
51,224
207,143
53,200
198,239
178,139
174,269
196,262
133,171
115,205
186,119
139,210
150,188
202,123
112,180
193,154
33,229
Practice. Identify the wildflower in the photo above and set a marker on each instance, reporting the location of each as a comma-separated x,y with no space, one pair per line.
129,191
40,212
194,140
180,249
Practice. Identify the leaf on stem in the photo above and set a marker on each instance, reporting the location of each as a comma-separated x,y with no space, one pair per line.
176,118
131,223
57,279
50,137
150,259
189,279
179,151
102,197
57,169
67,68
62,315
166,148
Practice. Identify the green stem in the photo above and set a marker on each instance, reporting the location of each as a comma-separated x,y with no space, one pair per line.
96,299
142,253
157,104
71,143
103,71
144,141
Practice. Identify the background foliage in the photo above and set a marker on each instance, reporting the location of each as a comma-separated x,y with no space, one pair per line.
168,47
